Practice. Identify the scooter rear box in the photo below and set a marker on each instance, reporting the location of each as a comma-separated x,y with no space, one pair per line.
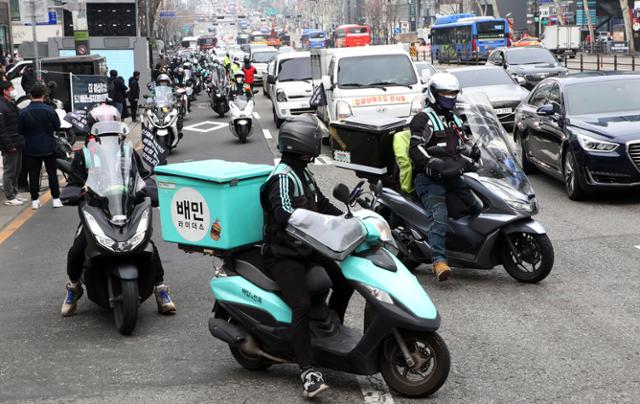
213,204
365,143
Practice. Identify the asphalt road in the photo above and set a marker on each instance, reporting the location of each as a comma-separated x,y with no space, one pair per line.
572,338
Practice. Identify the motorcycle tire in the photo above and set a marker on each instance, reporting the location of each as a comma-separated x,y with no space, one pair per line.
248,361
431,347
71,136
243,138
535,249
125,309
165,143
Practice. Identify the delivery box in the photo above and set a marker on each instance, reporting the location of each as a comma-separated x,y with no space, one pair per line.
212,204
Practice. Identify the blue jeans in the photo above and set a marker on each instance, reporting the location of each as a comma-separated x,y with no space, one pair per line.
433,194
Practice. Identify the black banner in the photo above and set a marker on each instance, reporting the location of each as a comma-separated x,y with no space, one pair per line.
88,90
152,153
78,119
318,97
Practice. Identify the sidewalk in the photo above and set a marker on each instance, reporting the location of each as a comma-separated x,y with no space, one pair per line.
8,213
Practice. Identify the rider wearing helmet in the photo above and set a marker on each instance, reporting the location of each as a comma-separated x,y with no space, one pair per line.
238,87
249,71
436,173
163,80
292,186
235,66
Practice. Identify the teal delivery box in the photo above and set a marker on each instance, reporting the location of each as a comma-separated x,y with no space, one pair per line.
213,204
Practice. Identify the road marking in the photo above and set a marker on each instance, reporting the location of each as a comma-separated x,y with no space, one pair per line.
267,134
23,217
212,126
256,115
323,160
637,246
375,390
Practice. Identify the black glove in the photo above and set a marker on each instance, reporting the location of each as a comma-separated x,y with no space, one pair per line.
475,153
434,168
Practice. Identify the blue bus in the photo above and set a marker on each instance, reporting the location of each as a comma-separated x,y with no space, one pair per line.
313,39
468,38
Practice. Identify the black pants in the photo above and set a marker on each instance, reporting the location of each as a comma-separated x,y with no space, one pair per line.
35,167
23,178
75,258
134,109
290,275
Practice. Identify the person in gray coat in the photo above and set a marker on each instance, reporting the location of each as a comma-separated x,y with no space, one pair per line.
11,143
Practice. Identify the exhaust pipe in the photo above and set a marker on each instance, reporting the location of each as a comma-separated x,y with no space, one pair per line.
237,336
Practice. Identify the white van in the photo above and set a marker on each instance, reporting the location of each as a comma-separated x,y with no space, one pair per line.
370,80
190,42
290,85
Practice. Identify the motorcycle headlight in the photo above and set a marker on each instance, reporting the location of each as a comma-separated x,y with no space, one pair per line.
382,229
152,117
281,96
242,122
343,110
417,105
170,117
101,238
138,237
589,143
521,206
379,294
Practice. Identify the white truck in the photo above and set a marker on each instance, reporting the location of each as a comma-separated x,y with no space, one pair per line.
562,39
378,81
290,86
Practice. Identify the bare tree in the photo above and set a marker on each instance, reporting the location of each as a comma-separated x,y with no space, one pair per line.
628,32
376,11
585,6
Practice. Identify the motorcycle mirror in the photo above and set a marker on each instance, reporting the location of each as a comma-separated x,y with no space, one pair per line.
341,193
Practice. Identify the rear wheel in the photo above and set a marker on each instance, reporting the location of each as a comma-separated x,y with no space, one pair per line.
432,358
248,361
125,309
534,259
574,182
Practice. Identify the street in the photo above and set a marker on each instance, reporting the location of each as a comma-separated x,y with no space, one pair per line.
571,338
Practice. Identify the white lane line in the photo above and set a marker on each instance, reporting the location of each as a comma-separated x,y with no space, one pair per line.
256,115
637,246
267,134
375,390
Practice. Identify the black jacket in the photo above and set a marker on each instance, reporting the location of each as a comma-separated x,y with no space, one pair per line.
279,201
28,80
117,89
37,123
9,135
134,89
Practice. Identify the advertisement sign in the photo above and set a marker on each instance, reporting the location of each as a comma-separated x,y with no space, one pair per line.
87,90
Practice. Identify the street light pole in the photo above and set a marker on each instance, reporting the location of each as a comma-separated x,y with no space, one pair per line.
36,57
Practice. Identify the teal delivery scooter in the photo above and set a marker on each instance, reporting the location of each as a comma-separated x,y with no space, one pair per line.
400,321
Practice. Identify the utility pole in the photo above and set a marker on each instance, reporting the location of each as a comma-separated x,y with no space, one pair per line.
36,58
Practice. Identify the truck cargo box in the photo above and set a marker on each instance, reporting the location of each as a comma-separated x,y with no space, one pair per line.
212,204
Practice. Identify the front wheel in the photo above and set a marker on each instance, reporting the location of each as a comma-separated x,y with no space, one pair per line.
574,182
430,350
125,309
527,166
532,259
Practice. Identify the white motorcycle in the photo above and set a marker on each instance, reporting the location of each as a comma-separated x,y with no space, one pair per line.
162,117
241,114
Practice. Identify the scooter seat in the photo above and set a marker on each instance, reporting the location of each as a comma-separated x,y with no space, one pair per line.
251,266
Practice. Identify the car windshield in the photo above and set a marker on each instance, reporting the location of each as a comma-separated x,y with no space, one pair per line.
527,56
425,66
371,71
482,77
603,96
163,96
113,175
296,69
498,163
264,57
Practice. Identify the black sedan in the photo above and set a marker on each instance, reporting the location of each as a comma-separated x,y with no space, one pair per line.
582,130
503,92
528,65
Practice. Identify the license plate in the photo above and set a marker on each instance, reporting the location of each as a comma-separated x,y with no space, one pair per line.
342,156
503,111
303,105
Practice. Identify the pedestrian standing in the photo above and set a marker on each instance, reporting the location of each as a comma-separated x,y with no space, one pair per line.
28,79
134,94
11,143
117,91
38,123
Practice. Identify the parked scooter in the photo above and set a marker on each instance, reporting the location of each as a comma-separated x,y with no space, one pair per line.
117,217
241,118
503,234
163,118
400,321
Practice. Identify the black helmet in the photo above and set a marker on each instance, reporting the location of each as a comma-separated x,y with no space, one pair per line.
302,135
247,60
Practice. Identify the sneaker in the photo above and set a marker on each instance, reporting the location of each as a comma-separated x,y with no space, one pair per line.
35,205
57,203
163,298
442,270
71,300
13,202
312,383
21,199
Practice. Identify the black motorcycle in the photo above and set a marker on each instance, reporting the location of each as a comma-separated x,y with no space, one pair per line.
116,215
218,92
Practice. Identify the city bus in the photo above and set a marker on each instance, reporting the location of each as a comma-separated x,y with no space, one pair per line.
313,39
352,35
206,42
468,38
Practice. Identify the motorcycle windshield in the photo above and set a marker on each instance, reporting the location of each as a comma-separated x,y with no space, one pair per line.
334,236
241,101
220,78
113,175
498,163
163,97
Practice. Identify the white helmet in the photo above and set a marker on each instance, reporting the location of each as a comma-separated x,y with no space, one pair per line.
441,82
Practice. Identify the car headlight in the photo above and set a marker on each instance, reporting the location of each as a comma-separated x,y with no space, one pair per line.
379,294
281,96
589,143
417,105
343,110
102,239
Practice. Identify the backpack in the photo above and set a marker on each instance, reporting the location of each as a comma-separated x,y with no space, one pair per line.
401,152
